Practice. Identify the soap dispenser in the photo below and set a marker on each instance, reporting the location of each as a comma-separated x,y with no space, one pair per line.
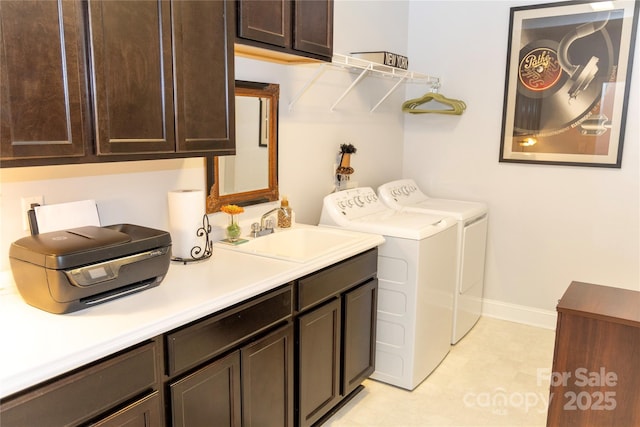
284,220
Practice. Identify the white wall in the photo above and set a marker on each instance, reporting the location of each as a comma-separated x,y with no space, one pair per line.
128,192
549,225
310,137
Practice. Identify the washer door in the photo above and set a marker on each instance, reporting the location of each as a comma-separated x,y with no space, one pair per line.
474,243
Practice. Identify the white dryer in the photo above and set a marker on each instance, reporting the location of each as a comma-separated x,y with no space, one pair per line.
472,217
416,278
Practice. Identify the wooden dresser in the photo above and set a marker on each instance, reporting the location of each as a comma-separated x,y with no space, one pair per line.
596,364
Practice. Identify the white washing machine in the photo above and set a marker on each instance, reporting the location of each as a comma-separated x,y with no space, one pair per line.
404,195
416,278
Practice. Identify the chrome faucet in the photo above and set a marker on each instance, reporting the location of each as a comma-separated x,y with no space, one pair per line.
266,226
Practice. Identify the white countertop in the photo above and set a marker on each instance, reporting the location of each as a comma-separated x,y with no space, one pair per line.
38,345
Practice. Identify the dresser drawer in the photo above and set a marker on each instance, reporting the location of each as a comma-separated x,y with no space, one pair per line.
86,393
200,341
332,281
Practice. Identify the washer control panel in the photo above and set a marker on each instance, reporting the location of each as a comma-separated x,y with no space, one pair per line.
347,205
400,193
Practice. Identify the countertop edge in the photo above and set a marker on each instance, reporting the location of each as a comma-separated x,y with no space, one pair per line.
58,363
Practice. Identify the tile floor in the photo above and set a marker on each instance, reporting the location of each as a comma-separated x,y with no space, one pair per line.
498,375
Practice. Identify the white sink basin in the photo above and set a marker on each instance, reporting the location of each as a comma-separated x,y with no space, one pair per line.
298,244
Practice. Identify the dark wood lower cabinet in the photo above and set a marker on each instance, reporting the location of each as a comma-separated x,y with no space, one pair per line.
211,393
146,412
87,394
360,308
250,387
268,380
319,352
336,335
286,358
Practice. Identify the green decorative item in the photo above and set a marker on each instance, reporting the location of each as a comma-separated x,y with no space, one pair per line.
233,230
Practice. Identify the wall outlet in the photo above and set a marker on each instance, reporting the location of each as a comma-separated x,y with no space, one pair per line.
25,205
345,184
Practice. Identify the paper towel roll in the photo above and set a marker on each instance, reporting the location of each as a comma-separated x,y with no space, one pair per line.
186,209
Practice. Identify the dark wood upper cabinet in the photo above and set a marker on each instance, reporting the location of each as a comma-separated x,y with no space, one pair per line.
204,77
313,27
139,75
132,76
158,75
299,28
43,98
265,21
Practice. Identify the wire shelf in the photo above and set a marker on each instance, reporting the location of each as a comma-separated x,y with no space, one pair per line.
367,69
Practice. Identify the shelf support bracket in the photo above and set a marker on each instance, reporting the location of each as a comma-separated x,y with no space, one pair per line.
315,77
355,82
400,80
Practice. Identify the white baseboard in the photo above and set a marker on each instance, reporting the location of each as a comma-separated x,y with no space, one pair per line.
519,313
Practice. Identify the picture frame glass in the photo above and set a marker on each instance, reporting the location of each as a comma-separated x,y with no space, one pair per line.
567,85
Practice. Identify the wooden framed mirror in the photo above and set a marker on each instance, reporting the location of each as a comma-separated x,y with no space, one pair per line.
251,175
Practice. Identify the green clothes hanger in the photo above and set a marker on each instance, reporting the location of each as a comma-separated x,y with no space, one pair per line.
456,106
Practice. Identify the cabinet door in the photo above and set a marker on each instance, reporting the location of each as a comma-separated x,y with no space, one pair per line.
267,21
209,394
359,336
145,412
319,364
42,80
267,380
207,338
132,76
313,27
204,78
87,393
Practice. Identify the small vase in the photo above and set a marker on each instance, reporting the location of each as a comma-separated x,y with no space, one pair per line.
233,230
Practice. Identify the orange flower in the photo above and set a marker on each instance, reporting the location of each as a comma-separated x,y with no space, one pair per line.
232,209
